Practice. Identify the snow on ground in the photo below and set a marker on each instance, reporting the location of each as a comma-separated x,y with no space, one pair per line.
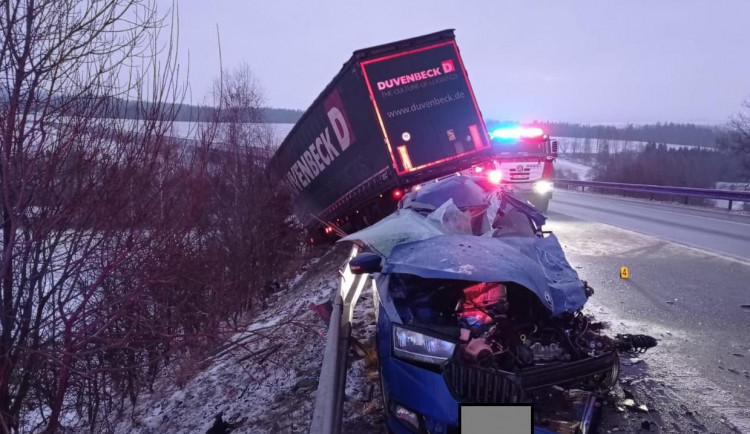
264,377
363,408
678,398
583,171
735,186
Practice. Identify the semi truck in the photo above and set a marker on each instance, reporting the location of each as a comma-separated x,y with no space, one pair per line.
395,115
523,162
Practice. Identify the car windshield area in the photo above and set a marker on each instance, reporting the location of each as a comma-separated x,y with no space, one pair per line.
455,206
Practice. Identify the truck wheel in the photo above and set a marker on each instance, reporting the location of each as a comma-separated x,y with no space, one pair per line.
540,203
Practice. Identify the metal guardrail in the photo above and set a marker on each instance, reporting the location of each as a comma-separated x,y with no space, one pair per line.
329,398
687,192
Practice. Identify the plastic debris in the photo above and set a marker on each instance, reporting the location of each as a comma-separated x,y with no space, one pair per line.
632,406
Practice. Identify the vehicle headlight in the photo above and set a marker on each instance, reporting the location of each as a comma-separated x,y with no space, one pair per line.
412,345
543,187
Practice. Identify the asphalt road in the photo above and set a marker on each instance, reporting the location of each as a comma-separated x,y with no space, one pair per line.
689,298
713,230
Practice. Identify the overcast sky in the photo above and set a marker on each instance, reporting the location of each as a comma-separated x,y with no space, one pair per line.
578,60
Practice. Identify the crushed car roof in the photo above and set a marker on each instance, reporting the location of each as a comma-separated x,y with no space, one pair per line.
537,264
454,229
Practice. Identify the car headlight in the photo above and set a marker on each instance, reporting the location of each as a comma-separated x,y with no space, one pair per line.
543,187
412,345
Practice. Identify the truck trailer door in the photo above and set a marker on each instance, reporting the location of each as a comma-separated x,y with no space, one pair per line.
425,106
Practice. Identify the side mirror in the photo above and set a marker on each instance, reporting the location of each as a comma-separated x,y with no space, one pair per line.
365,263
554,149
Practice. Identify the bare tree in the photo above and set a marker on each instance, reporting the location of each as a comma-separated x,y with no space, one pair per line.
574,145
586,146
121,247
78,188
252,235
736,139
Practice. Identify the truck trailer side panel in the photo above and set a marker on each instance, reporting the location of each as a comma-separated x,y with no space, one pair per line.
335,147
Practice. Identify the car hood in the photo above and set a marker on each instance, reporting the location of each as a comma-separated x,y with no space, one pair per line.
537,264
434,235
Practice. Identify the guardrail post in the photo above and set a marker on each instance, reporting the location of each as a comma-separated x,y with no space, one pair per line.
730,205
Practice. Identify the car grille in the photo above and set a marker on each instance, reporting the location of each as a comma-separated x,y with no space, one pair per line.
472,384
478,385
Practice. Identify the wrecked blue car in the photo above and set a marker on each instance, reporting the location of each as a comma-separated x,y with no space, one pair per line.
476,304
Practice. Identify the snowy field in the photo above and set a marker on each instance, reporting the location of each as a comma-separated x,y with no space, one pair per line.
583,171
567,144
190,130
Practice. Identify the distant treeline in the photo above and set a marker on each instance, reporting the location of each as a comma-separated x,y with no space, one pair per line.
682,134
659,165
193,113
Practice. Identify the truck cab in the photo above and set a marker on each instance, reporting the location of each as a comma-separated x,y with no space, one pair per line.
523,162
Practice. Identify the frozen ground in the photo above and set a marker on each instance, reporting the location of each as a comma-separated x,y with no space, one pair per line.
696,380
265,378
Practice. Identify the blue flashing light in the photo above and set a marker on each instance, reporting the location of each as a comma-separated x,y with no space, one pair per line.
516,133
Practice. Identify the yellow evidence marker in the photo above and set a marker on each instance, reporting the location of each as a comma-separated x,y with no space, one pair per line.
624,273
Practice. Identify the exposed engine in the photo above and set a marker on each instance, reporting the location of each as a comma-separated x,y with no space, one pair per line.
505,328
510,349
497,333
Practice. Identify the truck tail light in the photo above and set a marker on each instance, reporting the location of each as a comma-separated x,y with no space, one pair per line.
478,169
329,229
397,194
495,176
